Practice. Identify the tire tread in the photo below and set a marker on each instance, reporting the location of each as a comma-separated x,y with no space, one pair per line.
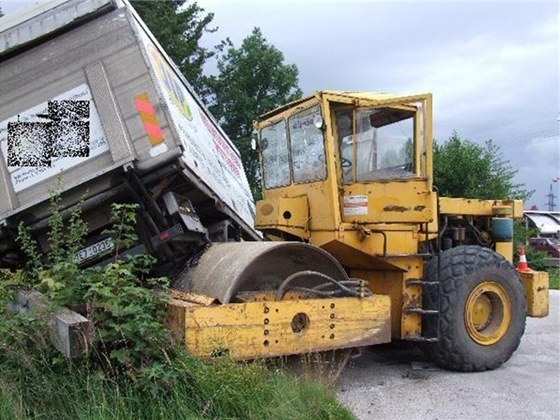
457,264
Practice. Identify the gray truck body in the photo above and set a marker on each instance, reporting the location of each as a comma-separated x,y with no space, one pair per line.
100,51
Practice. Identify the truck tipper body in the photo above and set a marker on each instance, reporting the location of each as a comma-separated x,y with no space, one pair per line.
92,103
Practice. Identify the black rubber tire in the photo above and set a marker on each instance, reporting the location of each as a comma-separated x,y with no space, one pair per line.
462,269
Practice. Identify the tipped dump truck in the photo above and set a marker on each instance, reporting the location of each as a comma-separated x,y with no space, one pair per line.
89,96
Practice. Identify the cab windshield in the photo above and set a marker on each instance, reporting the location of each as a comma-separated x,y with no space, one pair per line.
293,150
376,143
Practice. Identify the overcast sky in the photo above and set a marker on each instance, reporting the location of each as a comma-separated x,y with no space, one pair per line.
493,67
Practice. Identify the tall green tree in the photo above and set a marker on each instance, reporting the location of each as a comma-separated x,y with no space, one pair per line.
251,80
179,25
466,169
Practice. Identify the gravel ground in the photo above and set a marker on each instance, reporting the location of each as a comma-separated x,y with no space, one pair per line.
390,382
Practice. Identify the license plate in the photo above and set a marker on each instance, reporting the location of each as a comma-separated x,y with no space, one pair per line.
92,251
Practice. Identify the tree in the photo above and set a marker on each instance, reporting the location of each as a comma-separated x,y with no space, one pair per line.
251,80
466,169
179,28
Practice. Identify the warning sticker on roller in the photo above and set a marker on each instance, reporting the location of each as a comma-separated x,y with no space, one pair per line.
355,205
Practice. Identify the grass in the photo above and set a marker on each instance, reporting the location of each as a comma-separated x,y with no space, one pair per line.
554,278
37,383
222,390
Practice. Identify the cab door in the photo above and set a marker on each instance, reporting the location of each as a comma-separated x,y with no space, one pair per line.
385,160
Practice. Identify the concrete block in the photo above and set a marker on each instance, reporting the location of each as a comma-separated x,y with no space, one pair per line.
69,331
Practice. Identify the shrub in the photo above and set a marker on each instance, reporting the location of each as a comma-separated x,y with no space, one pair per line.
134,370
125,305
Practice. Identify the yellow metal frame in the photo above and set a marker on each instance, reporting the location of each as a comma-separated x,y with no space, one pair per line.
475,207
395,207
381,245
276,328
290,213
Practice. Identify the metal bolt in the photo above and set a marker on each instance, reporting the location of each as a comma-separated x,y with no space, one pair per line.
332,305
266,310
332,316
332,336
332,326
265,332
266,321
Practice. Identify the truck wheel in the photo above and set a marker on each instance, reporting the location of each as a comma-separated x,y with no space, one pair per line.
482,308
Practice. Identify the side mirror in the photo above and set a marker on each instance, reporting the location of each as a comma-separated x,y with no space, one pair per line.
254,143
318,122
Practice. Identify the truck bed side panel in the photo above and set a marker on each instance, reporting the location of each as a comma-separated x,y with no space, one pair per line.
103,57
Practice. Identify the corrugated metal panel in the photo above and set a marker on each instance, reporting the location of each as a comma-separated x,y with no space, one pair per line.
105,61
546,223
119,144
58,66
41,19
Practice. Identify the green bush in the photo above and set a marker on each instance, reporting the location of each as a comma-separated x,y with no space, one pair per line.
536,259
120,299
554,278
134,369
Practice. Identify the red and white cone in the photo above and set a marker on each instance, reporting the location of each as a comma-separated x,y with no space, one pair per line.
522,264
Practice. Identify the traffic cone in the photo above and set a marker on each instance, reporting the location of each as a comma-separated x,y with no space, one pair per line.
522,264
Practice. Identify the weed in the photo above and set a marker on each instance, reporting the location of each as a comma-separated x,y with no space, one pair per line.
554,278
134,370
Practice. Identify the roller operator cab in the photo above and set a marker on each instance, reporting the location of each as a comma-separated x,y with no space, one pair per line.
352,173
345,160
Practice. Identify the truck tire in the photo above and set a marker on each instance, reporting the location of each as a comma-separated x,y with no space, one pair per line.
482,309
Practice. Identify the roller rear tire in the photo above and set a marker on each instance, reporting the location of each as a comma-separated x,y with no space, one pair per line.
483,309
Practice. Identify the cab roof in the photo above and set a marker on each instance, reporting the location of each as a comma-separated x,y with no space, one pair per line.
332,95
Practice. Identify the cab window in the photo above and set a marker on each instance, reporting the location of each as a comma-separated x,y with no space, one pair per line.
275,159
376,144
307,148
